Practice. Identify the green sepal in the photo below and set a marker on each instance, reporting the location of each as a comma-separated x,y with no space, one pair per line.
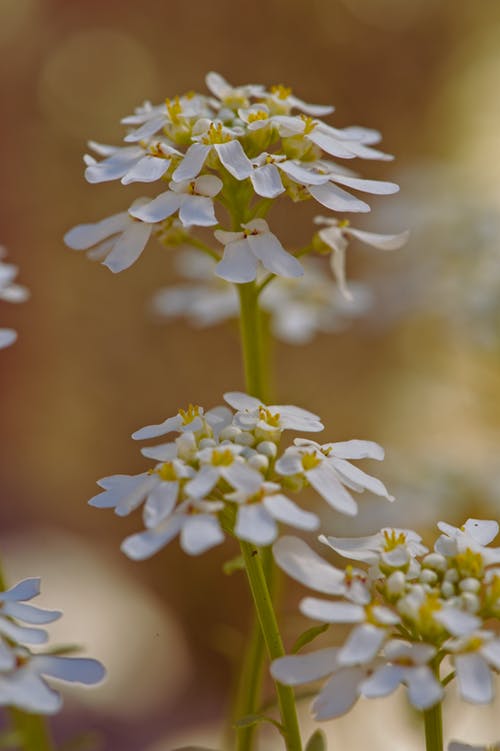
317,742
309,636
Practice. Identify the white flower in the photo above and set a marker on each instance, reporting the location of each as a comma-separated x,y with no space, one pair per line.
193,419
326,469
129,163
475,535
340,692
244,249
394,547
219,140
268,421
173,116
192,199
406,663
475,656
457,746
261,505
230,96
25,687
9,292
119,239
335,235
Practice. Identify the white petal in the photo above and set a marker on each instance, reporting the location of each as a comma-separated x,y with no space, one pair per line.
268,249
234,159
383,682
332,612
285,510
474,678
293,670
424,690
382,242
199,533
491,651
159,208
358,477
243,478
289,464
29,613
356,449
197,211
240,400
203,482
296,418
337,199
301,175
143,545
481,530
362,645
160,503
217,85
376,187
85,235
169,425
208,185
325,482
128,247
147,170
239,264
22,634
266,181
332,146
115,166
300,562
7,337
164,452
23,590
316,110
192,163
255,524
147,130
338,695
355,548
29,692
72,669
457,622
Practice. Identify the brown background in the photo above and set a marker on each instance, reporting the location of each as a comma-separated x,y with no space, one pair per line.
420,376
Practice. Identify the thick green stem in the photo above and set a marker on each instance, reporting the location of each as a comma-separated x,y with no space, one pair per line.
274,645
252,341
433,728
32,731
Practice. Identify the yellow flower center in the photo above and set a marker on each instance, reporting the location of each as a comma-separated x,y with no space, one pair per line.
267,416
257,115
167,472
222,458
216,134
469,564
393,539
174,108
190,414
309,461
280,91
309,123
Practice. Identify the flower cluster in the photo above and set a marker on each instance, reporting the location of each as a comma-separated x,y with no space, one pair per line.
22,671
298,308
240,148
11,292
412,610
224,473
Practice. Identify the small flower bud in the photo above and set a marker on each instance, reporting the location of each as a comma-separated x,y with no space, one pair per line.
470,584
268,448
244,438
207,443
396,583
447,589
470,602
428,576
435,561
229,433
451,575
259,462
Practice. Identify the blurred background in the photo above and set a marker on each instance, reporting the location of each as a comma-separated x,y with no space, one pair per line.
419,372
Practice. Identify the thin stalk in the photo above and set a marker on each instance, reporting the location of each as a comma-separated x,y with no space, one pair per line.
272,637
433,728
32,731
252,340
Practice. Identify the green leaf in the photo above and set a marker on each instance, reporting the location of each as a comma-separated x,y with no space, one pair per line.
309,636
254,719
317,742
234,564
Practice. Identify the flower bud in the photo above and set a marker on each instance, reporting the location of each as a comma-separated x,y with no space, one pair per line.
435,561
259,462
470,584
396,583
268,448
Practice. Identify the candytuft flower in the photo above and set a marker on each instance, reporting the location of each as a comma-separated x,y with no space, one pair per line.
10,292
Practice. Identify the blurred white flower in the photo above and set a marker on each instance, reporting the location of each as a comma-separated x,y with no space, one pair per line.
10,292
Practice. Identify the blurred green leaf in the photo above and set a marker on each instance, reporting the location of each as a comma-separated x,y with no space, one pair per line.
309,636
317,742
254,719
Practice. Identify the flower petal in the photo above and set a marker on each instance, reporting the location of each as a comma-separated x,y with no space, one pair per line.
234,159
285,510
332,612
146,170
72,669
294,670
86,235
475,682
239,264
128,247
268,249
197,211
382,242
255,524
266,181
337,199
193,161
200,533
300,562
362,645
143,545
338,695
325,482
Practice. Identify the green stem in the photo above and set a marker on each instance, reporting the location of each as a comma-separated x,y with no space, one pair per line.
274,645
433,728
32,731
252,340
